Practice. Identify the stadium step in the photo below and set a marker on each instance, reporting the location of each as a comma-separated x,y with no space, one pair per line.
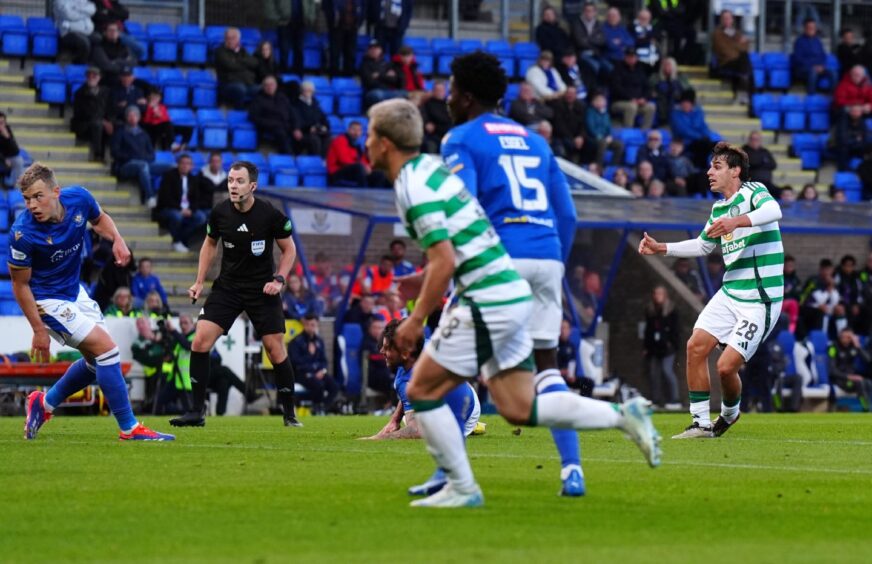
739,136
18,93
718,97
51,153
38,123
14,110
46,138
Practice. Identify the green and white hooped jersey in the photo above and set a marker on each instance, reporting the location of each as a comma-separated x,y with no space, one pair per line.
753,256
435,206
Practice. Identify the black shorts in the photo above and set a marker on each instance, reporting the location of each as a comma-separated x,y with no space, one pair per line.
224,305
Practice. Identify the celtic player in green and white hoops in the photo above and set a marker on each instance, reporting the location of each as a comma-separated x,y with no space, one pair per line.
742,314
484,326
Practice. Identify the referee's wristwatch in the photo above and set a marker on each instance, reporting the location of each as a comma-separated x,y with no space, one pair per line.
279,278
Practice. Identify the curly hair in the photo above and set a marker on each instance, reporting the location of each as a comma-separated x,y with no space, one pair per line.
480,75
734,157
390,332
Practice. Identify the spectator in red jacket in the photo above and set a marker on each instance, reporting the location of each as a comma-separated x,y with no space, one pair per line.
854,89
347,164
411,79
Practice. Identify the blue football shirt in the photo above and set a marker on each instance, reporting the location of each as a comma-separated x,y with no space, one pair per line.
53,251
460,400
513,173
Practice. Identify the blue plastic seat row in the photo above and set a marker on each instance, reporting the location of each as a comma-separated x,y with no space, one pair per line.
37,38
792,112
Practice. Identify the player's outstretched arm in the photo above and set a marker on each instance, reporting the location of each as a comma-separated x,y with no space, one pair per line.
207,255
391,426
105,227
649,246
39,350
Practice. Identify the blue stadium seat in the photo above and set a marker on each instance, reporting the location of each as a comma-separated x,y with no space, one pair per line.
144,73
6,285
227,157
350,96
821,358
787,341
14,36
250,37
769,112
164,157
420,45
326,100
213,128
243,135
204,88
43,70
164,42
284,170
630,136
847,181
259,161
215,35
313,49
758,68
51,83
778,70
445,50
793,110
470,45
313,171
322,83
174,85
195,46
336,125
43,37
762,99
817,106
526,54
136,29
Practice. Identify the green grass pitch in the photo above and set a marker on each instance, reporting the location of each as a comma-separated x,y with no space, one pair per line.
776,488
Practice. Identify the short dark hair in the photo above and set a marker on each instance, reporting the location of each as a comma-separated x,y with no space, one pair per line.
386,257
808,21
480,75
789,258
310,315
247,165
216,154
734,157
847,258
397,242
184,156
390,332
825,263
145,259
845,30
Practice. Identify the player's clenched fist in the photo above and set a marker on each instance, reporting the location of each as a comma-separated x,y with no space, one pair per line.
649,246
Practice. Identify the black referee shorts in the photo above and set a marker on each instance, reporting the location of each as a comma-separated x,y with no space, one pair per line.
223,306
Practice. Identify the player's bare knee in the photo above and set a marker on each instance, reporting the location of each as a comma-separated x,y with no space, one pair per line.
517,411
696,349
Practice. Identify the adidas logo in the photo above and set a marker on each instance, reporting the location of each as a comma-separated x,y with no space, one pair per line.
744,345
243,228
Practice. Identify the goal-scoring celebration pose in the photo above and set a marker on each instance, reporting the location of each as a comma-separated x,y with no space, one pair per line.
743,313
515,177
247,227
483,329
44,260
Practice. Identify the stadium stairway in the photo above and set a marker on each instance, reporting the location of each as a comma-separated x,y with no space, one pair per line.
47,138
732,122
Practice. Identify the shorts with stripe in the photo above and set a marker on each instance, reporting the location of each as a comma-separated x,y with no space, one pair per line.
545,277
740,325
472,339
70,322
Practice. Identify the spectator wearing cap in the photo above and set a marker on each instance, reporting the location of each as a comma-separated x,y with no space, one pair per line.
236,69
545,79
392,22
378,77
344,18
133,156
313,133
526,109
645,37
126,93
110,55
437,121
92,118
630,91
271,114
570,73
688,124
618,38
347,164
177,202
550,36
411,79
654,152
73,18
9,152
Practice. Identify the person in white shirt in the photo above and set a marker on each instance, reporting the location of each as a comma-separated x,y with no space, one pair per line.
544,78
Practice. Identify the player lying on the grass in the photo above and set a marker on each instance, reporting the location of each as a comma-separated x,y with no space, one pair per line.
484,328
743,313
44,261
462,400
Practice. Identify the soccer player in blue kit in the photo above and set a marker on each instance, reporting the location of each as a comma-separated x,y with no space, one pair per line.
514,175
44,261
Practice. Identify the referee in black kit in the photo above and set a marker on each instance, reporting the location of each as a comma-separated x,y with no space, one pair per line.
247,227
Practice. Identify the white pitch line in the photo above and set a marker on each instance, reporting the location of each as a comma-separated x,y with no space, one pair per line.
474,455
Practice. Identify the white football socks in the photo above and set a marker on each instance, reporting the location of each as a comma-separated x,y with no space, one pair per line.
566,410
445,442
699,410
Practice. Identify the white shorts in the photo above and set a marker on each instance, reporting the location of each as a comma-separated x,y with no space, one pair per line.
70,322
471,340
741,325
545,277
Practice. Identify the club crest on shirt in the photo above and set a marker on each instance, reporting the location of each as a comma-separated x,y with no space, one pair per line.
257,247
18,235
79,219
49,240
734,211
